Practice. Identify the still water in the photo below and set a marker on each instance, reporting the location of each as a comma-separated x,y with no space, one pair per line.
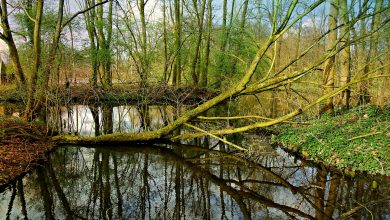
197,179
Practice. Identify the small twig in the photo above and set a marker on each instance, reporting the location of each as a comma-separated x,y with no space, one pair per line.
369,134
365,135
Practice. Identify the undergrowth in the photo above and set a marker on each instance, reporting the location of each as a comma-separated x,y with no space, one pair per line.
359,139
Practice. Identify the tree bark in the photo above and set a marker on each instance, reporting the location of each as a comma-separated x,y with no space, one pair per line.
29,110
203,78
176,79
104,43
345,55
329,65
145,58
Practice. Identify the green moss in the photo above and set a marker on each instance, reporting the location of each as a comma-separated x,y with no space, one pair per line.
359,139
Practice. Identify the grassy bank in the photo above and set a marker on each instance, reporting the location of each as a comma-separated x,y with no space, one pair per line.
358,139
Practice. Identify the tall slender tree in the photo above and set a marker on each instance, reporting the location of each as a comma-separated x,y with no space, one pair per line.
209,26
345,55
196,59
36,61
371,63
176,78
329,71
104,35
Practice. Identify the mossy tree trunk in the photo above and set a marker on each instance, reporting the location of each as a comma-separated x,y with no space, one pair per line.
29,110
176,78
204,73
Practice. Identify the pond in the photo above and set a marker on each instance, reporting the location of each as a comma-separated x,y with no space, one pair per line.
197,179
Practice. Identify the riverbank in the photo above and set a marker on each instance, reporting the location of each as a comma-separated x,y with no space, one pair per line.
357,140
119,93
22,146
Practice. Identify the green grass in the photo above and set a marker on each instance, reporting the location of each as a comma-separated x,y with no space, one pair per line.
7,88
359,139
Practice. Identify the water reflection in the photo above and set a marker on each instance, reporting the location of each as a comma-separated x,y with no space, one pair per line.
187,182
179,181
96,120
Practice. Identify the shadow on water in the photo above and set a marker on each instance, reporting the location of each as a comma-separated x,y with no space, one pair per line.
197,179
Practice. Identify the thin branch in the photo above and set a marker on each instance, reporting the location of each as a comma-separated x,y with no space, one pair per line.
356,209
279,119
245,117
214,136
82,12
26,12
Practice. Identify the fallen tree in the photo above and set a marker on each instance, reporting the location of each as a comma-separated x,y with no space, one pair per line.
246,86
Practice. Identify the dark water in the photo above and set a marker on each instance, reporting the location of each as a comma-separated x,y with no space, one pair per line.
197,179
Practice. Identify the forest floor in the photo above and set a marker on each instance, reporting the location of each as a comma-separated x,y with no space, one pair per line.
22,147
357,140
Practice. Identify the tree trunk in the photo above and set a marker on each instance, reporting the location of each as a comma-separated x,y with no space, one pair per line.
374,62
345,56
241,34
8,39
51,58
203,78
144,56
28,112
329,65
365,96
176,79
90,17
165,39
104,42
196,59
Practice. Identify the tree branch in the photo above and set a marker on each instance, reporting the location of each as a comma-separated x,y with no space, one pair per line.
82,12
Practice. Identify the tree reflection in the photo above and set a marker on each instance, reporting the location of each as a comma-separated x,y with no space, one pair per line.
178,182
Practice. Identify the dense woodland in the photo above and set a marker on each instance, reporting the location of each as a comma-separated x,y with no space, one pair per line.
327,54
